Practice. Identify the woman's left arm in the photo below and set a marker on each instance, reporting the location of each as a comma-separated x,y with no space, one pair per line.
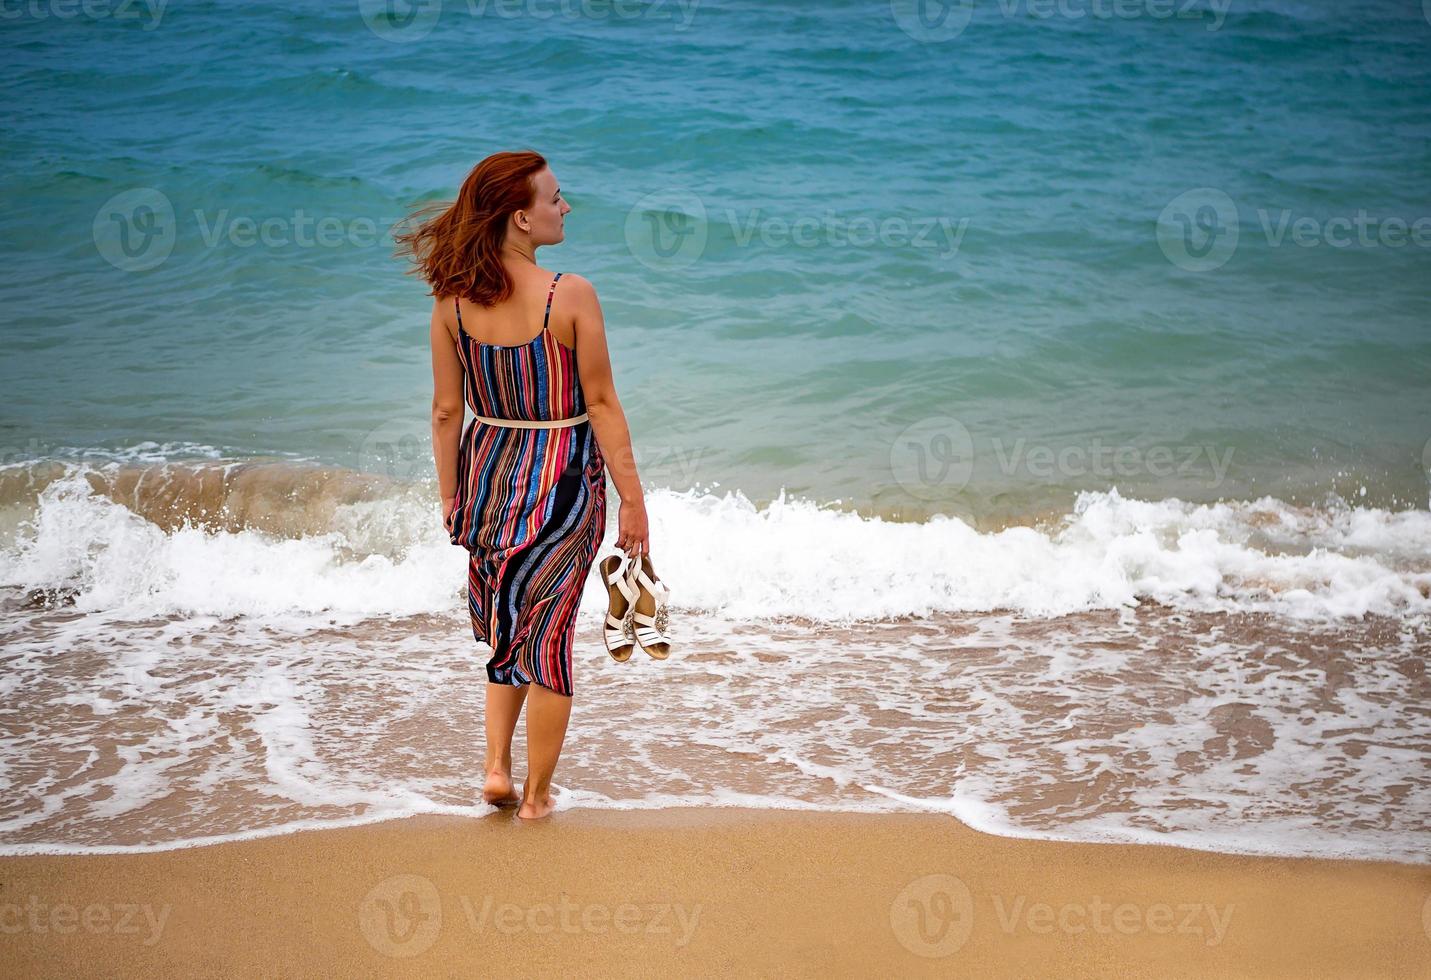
447,408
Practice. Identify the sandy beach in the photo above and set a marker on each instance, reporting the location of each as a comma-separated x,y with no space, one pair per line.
1024,405
706,890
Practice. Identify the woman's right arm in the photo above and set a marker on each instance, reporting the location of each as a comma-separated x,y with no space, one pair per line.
608,421
448,408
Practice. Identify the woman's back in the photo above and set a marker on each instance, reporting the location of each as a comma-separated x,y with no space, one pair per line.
531,379
514,321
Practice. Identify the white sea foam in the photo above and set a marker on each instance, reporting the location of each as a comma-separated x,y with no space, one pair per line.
219,685
790,558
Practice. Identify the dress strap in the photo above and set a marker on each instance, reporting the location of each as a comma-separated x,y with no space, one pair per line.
550,293
457,305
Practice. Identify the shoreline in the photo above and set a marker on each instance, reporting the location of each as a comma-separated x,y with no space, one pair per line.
482,812
706,889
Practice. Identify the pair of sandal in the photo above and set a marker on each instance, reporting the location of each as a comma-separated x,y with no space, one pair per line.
636,612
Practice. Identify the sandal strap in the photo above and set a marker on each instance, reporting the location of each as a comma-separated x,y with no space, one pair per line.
617,636
647,631
649,637
620,579
656,588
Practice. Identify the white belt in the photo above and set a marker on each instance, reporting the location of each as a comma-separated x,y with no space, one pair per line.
533,423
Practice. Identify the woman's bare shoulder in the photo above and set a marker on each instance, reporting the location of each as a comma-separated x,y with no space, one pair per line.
581,297
579,283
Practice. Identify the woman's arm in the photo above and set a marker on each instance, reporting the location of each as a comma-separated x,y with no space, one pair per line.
447,408
608,421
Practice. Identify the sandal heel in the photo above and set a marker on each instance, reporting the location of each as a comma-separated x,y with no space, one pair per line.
649,619
619,631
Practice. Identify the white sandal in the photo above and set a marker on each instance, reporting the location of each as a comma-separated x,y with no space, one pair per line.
621,606
648,612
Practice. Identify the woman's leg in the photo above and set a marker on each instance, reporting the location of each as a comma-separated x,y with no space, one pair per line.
547,717
504,704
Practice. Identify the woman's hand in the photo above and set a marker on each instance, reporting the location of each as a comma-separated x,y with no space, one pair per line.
449,507
633,534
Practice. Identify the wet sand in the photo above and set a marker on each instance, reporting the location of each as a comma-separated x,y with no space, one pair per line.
705,890
1196,727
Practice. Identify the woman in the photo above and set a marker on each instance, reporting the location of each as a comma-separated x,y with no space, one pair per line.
524,483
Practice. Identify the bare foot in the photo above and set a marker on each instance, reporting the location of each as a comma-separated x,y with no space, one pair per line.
498,790
536,809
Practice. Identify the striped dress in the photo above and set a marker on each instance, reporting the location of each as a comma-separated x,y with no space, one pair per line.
531,504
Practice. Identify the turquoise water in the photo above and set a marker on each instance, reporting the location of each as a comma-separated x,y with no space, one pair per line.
1012,292
1152,285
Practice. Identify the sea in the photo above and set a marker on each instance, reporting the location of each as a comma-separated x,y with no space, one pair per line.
1031,398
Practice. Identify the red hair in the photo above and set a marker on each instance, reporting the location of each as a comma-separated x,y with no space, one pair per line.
457,252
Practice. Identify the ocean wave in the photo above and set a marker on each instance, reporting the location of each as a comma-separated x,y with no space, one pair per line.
277,538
